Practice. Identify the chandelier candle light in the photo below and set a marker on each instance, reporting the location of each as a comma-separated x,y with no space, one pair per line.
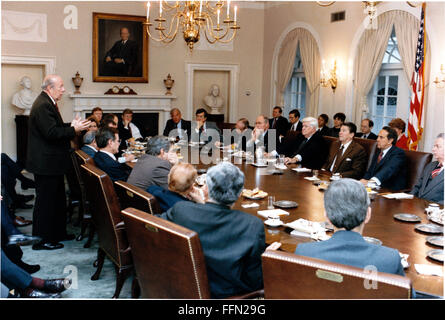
193,16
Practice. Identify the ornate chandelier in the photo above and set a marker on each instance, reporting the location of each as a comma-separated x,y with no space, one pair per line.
193,16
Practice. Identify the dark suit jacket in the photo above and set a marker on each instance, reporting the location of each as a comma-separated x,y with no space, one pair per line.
313,153
170,125
48,139
205,136
349,248
150,170
165,197
265,142
232,242
114,169
371,135
391,171
333,132
352,163
124,134
428,188
127,51
88,151
289,142
324,131
281,125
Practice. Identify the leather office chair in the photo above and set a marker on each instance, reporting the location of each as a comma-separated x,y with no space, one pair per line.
81,157
290,276
370,147
168,259
329,140
106,214
135,197
415,163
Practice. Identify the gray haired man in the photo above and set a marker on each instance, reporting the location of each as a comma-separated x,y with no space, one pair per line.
232,240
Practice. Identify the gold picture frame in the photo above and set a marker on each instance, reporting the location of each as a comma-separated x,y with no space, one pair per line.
107,28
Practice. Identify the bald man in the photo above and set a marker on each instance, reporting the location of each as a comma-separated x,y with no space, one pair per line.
48,158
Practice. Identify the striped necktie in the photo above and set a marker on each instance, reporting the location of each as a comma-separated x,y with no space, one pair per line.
380,157
436,171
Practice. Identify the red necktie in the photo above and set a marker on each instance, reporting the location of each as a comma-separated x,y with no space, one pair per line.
436,171
380,156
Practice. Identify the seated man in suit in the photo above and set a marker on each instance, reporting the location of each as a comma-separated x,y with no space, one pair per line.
388,166
286,143
347,207
89,143
311,149
430,184
232,240
108,141
203,130
262,137
176,122
323,129
339,119
366,127
110,120
97,113
153,167
127,129
240,134
181,187
346,156
399,126
278,122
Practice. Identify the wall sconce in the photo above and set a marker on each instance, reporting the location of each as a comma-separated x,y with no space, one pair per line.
329,78
440,83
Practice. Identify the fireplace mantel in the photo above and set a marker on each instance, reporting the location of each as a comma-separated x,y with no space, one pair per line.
162,104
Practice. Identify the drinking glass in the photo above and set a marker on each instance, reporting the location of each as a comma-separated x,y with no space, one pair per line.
270,201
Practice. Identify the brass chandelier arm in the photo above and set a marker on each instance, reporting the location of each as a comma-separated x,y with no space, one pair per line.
325,3
169,35
214,9
169,7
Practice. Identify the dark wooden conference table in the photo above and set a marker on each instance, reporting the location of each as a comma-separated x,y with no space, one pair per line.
393,233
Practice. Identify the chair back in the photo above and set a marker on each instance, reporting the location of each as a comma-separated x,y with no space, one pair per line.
290,276
416,162
84,158
135,197
329,140
370,147
78,174
169,261
105,212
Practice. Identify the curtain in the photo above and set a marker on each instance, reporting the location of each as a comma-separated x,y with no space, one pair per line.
310,57
371,49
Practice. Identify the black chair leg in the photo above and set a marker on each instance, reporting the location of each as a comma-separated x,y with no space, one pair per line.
100,264
121,275
90,236
135,289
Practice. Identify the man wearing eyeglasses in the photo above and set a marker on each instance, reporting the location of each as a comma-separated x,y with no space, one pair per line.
107,140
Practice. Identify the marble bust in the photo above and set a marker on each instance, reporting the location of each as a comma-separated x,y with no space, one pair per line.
24,98
213,100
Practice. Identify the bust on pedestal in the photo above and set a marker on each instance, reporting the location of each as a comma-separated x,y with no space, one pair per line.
214,101
24,98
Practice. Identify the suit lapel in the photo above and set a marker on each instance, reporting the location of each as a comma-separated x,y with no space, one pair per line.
432,182
385,158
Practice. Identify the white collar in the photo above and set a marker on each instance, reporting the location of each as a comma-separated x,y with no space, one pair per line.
54,102
346,145
110,154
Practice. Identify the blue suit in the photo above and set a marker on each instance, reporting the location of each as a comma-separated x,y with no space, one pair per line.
232,242
391,170
349,248
428,188
114,169
89,151
165,198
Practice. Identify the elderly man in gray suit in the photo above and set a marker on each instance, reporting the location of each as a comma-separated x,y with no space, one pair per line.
154,166
347,206
430,184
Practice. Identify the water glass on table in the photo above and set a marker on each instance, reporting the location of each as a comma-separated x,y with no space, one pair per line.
270,201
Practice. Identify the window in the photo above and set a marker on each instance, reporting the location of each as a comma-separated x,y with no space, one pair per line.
389,96
295,94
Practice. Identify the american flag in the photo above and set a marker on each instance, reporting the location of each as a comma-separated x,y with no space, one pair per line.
417,89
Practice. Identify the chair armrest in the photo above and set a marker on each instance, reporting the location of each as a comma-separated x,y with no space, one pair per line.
120,226
251,295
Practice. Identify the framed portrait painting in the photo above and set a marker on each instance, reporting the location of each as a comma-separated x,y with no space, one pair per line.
120,48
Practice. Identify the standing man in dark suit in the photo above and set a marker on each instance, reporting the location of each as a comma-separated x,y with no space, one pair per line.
176,122
48,158
286,143
347,207
388,166
232,240
311,149
107,140
346,156
430,184
278,122
366,127
121,59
